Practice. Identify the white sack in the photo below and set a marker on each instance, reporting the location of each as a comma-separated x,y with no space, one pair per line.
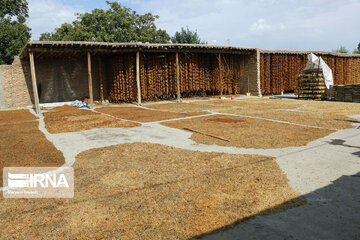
316,63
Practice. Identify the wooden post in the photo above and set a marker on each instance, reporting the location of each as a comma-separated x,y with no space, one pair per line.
138,77
101,80
90,81
220,75
33,79
178,78
248,87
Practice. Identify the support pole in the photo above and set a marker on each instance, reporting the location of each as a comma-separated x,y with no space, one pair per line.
282,77
33,79
101,80
220,75
138,77
90,81
178,77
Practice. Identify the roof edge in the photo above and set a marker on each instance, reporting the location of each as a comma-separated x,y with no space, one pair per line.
163,46
307,52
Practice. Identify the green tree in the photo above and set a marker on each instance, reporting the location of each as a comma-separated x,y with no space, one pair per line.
357,50
14,32
187,36
117,24
342,49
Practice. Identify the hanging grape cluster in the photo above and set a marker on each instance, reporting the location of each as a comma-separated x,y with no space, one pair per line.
199,75
278,71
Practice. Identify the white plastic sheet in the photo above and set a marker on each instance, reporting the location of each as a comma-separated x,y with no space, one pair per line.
80,104
316,62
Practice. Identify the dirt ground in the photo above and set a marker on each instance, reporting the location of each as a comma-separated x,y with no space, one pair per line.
167,193
248,133
70,119
22,144
142,115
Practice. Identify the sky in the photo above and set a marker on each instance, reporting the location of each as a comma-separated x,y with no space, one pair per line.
267,24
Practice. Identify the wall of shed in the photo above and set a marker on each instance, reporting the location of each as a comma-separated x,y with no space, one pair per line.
346,70
58,80
199,75
278,71
15,84
62,79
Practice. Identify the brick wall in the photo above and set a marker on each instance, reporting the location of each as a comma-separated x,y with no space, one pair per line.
16,84
251,80
2,98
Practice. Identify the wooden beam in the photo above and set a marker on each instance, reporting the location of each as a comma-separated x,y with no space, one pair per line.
220,75
34,85
178,77
101,80
138,77
83,51
207,134
90,81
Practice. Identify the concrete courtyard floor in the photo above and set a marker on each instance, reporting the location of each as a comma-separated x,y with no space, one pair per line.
325,171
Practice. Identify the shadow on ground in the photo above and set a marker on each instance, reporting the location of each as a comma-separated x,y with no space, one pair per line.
356,153
341,142
332,212
347,120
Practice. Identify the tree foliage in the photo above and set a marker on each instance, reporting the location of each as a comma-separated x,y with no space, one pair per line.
187,36
14,32
342,49
117,24
13,8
